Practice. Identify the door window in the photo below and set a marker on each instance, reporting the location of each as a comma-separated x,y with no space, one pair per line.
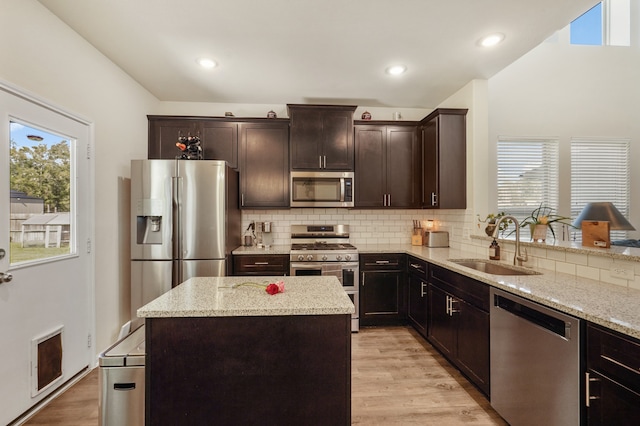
41,194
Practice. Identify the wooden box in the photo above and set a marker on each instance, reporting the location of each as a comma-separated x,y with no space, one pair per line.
595,234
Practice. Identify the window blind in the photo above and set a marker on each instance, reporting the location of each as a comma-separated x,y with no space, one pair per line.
527,176
600,172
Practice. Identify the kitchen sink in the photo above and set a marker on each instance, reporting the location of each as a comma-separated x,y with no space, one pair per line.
492,267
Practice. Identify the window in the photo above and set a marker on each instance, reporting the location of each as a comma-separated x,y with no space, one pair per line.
600,172
41,202
527,176
607,23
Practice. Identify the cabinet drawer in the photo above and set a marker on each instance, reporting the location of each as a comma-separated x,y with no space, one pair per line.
381,262
417,267
614,355
467,289
273,264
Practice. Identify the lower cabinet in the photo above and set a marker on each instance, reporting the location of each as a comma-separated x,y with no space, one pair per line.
458,325
382,289
263,264
613,378
417,294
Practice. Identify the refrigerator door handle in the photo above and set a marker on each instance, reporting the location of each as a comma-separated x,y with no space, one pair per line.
177,234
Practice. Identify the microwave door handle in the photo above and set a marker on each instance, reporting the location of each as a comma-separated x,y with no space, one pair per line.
342,190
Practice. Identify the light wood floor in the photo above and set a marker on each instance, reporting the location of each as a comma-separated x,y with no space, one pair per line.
398,379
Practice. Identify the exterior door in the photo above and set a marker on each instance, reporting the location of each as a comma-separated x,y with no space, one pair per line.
46,217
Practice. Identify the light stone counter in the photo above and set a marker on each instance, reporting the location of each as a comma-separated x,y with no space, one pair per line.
277,249
609,305
227,297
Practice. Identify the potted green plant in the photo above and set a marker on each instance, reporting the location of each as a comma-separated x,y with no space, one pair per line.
540,220
491,220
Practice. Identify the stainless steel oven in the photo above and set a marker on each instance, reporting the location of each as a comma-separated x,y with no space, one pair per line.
325,250
346,272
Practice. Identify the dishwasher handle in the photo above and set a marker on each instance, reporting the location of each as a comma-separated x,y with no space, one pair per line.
529,313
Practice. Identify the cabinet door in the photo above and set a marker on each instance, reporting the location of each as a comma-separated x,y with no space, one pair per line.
220,141
417,304
370,181
402,167
273,264
444,159
473,343
163,136
264,177
381,295
611,403
337,142
441,328
306,139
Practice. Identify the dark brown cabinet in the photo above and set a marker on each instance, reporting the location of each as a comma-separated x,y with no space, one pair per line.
382,289
321,137
417,294
264,164
261,264
218,137
387,165
458,326
613,378
444,143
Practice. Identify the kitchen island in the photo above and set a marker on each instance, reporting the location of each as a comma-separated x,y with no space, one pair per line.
222,350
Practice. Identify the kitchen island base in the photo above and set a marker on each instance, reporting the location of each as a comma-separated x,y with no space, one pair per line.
268,370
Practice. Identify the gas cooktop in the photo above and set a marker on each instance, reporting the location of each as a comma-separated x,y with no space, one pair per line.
322,246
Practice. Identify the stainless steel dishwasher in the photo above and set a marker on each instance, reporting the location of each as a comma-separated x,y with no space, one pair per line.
121,381
535,362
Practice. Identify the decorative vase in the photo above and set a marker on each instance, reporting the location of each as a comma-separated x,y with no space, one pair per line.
489,229
539,232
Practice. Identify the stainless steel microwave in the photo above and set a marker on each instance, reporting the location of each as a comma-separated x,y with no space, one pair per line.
321,189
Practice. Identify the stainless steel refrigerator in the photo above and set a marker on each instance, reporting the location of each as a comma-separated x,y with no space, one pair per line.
185,221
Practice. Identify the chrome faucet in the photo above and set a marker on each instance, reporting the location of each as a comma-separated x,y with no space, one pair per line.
517,257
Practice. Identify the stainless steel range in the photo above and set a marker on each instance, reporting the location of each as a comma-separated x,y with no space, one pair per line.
325,250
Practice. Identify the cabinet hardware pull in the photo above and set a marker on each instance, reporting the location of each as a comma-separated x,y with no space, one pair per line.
587,389
319,161
242,199
261,263
384,200
388,200
382,262
619,364
362,279
454,310
324,157
416,266
448,310
422,287
434,199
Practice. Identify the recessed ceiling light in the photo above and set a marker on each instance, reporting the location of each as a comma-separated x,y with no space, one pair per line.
396,69
491,40
206,63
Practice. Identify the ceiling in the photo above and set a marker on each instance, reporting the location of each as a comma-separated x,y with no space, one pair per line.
314,52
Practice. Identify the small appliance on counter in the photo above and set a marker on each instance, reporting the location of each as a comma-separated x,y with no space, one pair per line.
436,239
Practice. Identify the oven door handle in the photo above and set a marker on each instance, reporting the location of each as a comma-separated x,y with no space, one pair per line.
305,266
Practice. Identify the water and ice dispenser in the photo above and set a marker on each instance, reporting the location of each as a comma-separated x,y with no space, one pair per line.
149,220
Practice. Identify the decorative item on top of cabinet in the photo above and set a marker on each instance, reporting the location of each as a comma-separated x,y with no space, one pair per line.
417,294
388,169
612,382
261,264
458,324
444,159
382,289
321,137
264,164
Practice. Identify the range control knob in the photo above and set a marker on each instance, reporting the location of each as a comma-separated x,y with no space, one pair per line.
338,258
309,257
300,257
324,257
347,257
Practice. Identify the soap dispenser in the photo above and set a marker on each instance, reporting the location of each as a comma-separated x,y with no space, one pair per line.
494,250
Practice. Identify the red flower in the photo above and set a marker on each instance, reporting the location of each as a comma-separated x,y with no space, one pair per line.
273,289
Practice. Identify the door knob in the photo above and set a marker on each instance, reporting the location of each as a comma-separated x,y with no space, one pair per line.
5,277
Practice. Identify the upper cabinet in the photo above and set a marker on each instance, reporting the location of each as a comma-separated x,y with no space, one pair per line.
321,137
218,137
444,159
264,164
387,165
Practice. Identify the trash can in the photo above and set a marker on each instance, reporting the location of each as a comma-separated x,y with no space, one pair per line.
121,382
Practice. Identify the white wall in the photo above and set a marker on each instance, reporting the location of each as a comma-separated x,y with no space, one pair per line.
42,55
564,91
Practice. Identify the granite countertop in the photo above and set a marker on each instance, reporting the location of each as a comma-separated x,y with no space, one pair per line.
609,305
222,297
275,249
